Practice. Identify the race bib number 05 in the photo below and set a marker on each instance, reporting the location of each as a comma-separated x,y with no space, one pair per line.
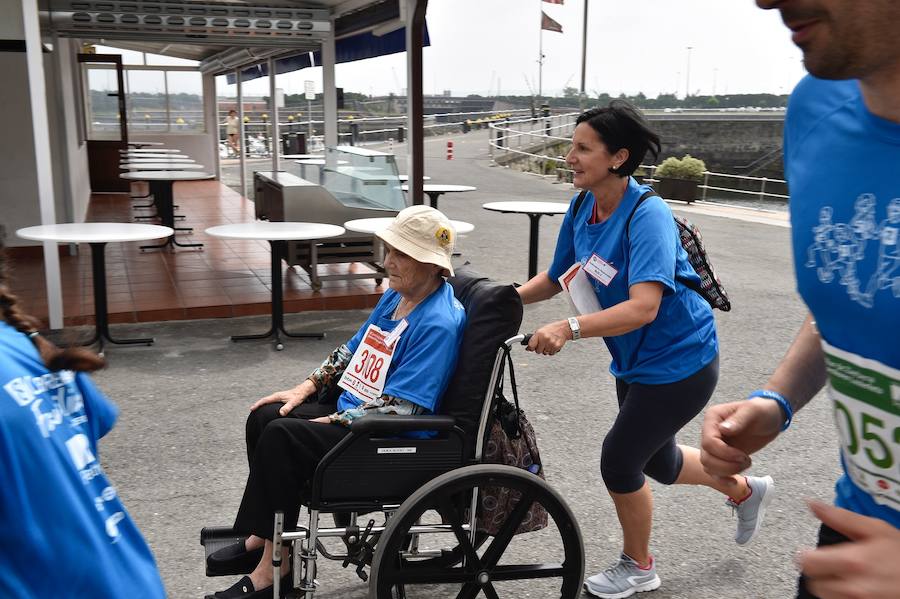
367,372
866,400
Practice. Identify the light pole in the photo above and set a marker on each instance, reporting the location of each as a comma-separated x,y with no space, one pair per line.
687,76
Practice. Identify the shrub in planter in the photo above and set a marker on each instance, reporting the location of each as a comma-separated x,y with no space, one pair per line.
679,178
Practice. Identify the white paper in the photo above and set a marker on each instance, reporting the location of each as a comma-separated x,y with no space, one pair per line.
579,290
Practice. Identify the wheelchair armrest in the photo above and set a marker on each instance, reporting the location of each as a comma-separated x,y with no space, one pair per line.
391,424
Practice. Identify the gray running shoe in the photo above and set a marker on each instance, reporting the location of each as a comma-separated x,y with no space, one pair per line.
751,510
623,579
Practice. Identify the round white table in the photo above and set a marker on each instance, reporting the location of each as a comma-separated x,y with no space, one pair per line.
142,144
435,190
161,166
98,235
154,164
156,155
161,183
534,210
149,150
165,159
277,234
373,225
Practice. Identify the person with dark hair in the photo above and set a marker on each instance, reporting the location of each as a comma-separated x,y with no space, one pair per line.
661,335
63,529
841,149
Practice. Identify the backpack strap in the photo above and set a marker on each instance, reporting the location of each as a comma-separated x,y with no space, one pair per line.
579,201
686,282
647,194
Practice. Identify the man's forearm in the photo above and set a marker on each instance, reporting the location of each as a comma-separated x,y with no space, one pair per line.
801,373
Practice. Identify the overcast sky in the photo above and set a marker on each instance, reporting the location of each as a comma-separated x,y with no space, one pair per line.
482,46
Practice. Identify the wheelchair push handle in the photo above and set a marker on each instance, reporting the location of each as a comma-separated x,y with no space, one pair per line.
521,339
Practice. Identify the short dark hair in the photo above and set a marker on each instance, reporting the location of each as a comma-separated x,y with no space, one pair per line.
621,125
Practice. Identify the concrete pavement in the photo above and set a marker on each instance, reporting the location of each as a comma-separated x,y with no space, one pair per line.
177,454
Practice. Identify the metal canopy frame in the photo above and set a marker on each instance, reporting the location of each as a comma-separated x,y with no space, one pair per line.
234,31
190,21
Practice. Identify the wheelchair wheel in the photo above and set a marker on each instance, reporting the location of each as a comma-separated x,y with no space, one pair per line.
506,564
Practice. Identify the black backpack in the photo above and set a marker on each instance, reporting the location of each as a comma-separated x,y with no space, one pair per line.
710,288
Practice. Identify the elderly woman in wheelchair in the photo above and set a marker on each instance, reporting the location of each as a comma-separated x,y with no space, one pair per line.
399,362
415,457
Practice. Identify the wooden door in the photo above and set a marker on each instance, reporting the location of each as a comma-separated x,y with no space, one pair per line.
106,124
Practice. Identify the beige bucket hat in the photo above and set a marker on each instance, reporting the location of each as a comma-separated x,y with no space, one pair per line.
424,234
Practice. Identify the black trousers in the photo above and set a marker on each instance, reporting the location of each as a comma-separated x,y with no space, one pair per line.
827,536
283,452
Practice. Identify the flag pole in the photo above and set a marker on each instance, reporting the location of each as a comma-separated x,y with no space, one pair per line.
540,51
584,32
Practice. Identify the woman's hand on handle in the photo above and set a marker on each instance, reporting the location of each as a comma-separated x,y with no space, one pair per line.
550,338
290,398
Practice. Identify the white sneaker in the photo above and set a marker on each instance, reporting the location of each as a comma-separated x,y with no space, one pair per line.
752,509
623,579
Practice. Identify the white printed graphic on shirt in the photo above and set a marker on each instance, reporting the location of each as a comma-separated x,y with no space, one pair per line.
57,406
837,248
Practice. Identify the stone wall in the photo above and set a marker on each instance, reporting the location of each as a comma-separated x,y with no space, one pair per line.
726,146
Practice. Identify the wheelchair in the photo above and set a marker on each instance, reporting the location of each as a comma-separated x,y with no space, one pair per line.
429,542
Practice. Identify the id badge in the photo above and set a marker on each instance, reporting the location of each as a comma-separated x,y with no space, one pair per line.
600,269
366,374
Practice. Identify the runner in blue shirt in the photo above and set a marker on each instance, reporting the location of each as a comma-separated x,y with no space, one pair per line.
841,150
63,529
661,335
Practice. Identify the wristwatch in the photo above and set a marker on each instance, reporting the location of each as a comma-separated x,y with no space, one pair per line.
576,328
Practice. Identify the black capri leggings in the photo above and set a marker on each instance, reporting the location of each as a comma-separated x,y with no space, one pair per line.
642,439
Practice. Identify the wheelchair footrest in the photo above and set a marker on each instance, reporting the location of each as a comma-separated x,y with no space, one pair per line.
214,538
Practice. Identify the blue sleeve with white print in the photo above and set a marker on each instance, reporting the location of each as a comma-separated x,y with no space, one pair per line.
101,412
564,256
653,237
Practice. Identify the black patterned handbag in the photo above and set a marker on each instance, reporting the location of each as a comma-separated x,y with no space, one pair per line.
511,442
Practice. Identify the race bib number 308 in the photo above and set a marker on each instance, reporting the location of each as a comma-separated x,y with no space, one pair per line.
366,374
866,401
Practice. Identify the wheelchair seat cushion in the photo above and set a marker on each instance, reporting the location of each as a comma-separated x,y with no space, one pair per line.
493,315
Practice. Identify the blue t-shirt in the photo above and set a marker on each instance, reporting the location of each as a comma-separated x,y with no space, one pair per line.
682,339
841,165
425,355
63,529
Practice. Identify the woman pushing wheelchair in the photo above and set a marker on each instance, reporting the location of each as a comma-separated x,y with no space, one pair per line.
399,362
660,332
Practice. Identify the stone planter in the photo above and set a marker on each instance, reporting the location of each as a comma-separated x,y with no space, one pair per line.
678,189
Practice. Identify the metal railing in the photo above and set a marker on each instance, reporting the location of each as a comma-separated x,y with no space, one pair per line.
519,140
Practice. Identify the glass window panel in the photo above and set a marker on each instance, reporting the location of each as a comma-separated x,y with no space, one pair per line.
102,109
185,101
128,56
145,101
159,59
